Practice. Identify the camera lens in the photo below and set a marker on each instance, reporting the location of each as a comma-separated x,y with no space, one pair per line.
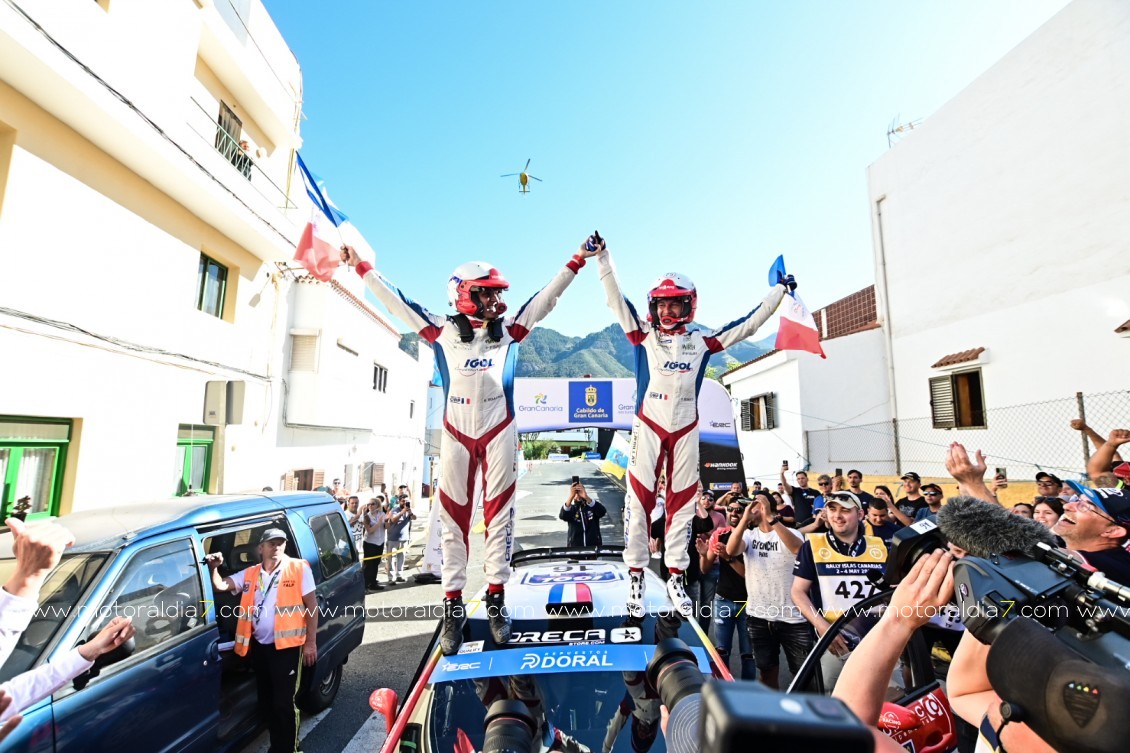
674,672
509,728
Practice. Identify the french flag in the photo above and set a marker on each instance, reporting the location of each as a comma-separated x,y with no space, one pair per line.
317,249
564,596
797,330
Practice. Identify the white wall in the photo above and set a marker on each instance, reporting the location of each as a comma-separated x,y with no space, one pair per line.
1005,219
101,230
1015,197
763,451
848,388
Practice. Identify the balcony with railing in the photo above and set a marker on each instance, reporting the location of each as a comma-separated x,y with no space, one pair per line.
242,45
242,166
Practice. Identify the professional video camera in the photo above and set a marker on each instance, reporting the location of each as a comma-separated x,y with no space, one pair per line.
719,717
1060,633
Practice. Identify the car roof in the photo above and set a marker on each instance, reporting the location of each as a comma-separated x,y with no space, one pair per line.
108,528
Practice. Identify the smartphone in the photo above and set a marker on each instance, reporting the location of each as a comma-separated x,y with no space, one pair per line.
576,480
839,471
1002,474
785,464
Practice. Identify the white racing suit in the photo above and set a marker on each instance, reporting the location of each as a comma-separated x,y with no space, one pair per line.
480,438
670,366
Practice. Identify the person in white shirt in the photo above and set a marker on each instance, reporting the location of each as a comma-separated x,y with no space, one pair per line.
774,622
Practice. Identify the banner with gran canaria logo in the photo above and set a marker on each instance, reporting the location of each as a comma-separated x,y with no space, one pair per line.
550,404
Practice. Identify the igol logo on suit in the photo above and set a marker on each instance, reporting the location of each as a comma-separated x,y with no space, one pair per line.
590,401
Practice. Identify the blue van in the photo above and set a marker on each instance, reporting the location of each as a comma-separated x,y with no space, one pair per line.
181,688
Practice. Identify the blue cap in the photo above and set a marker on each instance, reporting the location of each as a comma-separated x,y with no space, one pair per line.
1114,502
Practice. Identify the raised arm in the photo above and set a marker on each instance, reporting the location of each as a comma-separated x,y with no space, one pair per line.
635,328
740,329
427,324
543,301
1106,454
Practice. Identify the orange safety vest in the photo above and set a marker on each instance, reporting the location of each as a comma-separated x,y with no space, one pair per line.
290,616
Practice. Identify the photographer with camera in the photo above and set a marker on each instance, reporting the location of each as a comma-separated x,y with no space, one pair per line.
583,514
398,524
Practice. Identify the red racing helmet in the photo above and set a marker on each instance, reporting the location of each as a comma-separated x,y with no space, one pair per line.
672,285
468,277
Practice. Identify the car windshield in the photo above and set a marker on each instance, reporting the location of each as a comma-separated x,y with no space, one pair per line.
62,590
578,707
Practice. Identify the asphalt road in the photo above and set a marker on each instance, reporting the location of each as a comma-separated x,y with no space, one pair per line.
393,647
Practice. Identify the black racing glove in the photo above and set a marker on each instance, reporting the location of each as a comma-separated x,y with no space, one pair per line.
787,280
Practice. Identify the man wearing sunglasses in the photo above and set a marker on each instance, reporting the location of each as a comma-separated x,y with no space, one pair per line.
1097,526
933,495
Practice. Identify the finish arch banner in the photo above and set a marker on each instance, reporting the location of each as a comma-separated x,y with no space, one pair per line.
555,404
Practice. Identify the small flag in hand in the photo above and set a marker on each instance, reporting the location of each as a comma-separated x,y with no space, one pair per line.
797,330
317,249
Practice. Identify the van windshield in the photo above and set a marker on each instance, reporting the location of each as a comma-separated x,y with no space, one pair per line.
59,596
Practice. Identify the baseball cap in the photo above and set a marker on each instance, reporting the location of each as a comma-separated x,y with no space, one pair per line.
271,534
1044,474
1122,471
708,493
910,475
1113,502
931,487
843,499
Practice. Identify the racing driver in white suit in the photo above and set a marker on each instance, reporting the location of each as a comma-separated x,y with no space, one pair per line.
671,362
475,350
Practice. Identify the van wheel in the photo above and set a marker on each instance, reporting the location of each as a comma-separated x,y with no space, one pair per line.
321,696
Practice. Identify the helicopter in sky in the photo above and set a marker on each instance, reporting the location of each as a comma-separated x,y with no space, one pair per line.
523,178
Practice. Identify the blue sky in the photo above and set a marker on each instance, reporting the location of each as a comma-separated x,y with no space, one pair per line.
703,138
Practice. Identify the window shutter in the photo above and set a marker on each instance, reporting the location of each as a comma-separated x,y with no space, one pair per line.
747,415
941,402
349,477
289,482
319,479
378,473
303,352
771,410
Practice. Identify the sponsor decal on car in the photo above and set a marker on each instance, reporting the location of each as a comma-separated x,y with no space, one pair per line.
549,579
571,637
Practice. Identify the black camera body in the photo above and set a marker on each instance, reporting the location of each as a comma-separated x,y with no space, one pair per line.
721,717
748,716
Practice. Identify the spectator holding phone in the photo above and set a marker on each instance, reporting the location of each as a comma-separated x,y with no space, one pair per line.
398,524
583,514
376,512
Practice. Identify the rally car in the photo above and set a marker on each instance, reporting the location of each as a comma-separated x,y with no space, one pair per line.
917,714
575,659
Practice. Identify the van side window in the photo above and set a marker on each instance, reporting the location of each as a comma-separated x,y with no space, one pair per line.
335,544
160,589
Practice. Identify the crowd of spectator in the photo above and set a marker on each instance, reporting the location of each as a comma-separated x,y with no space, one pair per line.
382,531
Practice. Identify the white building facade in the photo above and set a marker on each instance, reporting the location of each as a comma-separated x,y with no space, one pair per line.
148,310
1001,232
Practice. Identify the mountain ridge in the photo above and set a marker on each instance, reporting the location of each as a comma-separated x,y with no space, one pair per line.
607,353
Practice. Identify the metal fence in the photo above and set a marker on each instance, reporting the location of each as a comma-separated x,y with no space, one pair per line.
1024,439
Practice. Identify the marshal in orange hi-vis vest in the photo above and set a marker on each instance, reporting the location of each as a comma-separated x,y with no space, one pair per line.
290,615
